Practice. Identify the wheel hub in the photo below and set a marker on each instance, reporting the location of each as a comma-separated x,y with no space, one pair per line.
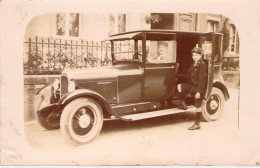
84,121
213,104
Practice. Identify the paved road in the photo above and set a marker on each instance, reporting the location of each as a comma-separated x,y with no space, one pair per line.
158,141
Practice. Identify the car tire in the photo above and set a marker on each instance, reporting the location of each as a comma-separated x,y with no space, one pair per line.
81,121
43,119
214,106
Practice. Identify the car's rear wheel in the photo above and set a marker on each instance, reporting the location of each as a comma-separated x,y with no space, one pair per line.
214,106
81,120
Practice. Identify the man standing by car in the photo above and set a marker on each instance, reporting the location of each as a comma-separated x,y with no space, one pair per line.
196,87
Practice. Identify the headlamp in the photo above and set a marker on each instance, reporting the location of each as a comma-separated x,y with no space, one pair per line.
56,84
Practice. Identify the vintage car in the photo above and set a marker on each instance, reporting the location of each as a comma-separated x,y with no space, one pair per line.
138,85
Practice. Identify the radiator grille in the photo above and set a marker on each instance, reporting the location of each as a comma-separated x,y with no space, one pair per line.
64,85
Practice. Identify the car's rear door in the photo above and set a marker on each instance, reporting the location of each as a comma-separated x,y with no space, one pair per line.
159,81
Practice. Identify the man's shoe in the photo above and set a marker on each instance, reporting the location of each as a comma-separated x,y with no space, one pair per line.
194,127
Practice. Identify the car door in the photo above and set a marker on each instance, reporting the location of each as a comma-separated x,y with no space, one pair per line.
159,81
160,74
207,43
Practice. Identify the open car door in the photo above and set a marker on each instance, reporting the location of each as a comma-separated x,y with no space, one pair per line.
207,43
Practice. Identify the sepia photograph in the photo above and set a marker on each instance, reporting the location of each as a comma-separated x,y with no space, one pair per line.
99,87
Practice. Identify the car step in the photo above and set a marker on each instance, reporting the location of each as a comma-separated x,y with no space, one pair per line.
140,116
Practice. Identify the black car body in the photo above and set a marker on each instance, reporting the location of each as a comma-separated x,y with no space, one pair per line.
136,86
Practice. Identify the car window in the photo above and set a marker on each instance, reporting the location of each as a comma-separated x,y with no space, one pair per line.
161,51
125,50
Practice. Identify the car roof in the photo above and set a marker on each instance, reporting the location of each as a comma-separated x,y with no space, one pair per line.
133,34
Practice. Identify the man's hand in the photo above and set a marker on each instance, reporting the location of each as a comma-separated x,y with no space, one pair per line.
179,87
197,95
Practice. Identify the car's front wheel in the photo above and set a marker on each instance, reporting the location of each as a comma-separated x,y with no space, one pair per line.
214,106
81,120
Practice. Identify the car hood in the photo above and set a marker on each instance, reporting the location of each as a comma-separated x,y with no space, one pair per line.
103,72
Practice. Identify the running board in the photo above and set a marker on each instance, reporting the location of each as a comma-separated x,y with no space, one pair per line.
140,116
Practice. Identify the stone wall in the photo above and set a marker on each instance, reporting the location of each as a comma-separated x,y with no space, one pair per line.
232,79
32,84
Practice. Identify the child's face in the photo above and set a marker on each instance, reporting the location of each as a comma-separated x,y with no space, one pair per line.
196,57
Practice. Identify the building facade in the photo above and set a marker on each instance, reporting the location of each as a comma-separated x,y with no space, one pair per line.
51,37
97,27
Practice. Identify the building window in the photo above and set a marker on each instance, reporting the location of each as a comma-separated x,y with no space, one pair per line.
117,23
212,26
233,39
67,24
162,21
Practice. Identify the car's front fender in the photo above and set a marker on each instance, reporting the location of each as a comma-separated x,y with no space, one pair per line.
81,93
45,95
67,98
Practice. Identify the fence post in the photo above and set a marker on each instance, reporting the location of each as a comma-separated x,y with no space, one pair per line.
36,53
71,61
101,54
48,59
81,58
30,55
36,46
59,59
54,47
65,54
87,54
30,43
76,54
96,44
42,55
92,47
105,57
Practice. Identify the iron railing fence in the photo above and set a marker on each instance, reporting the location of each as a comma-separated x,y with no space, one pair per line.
230,63
51,56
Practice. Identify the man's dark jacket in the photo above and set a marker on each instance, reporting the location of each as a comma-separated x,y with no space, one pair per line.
197,77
